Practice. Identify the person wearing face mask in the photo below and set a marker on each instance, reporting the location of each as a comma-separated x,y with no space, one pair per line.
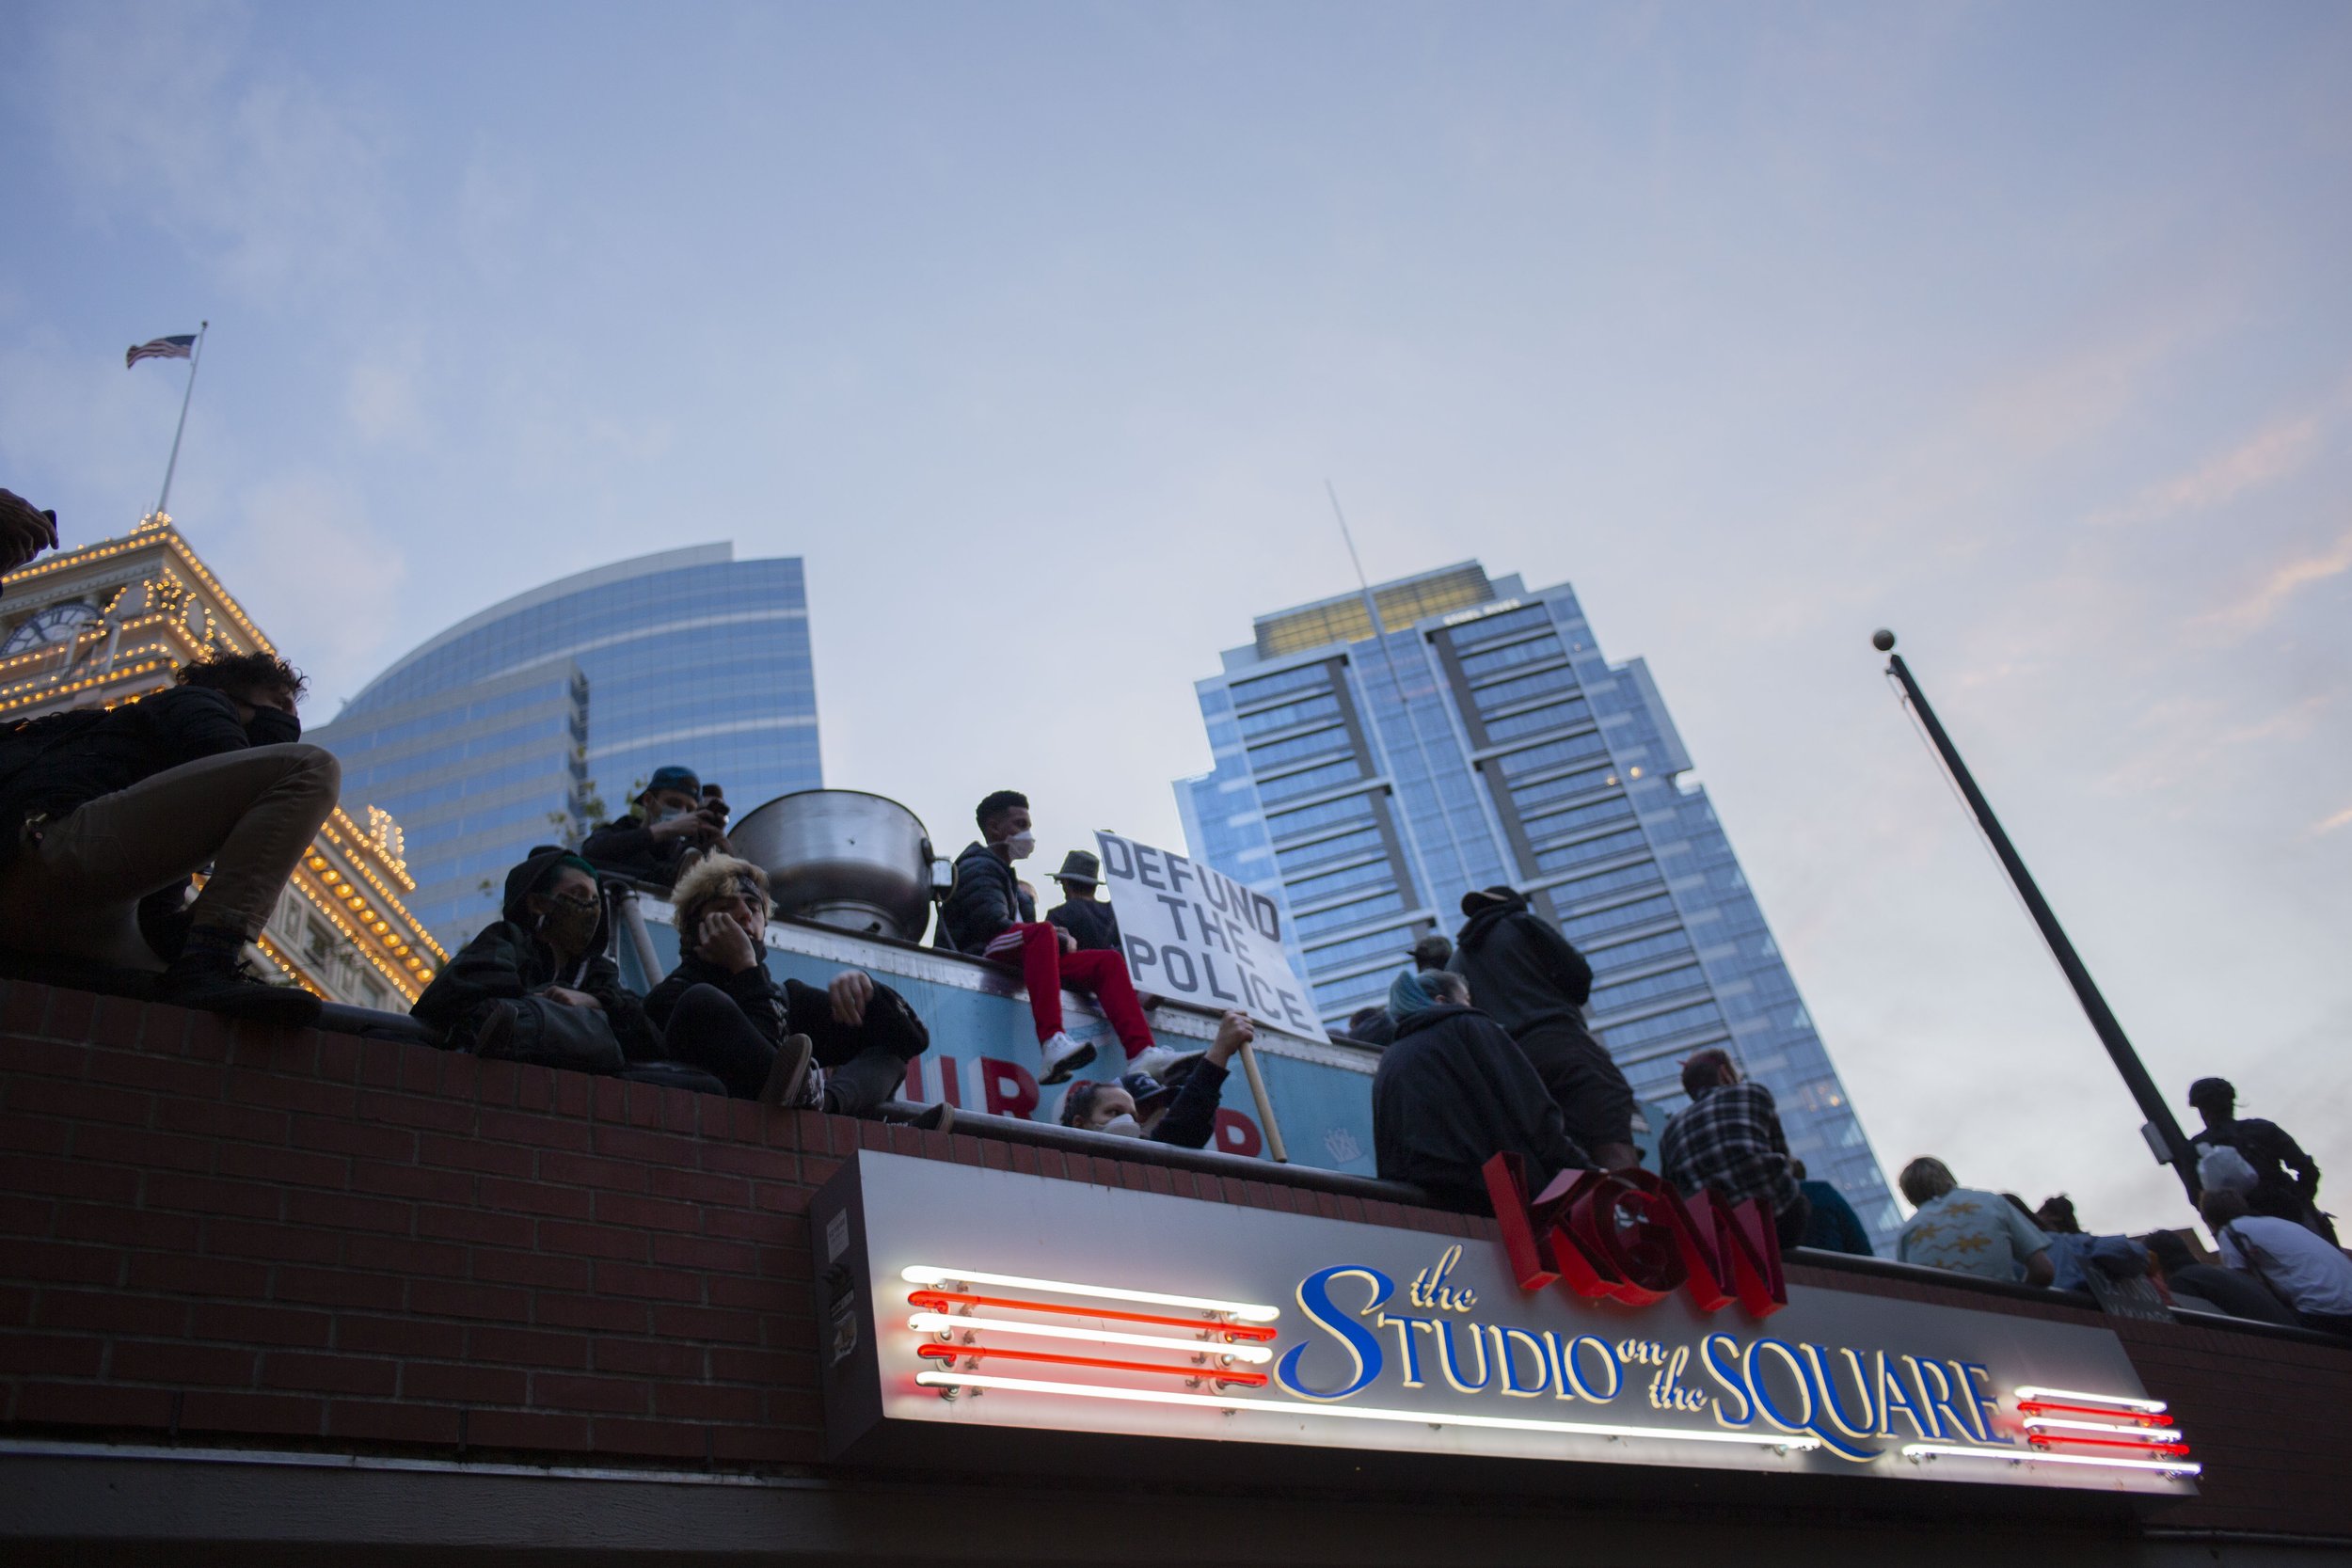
498,996
842,1048
104,815
675,822
987,915
1141,1106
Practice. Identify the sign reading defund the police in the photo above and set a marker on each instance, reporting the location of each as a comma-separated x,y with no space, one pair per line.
1195,934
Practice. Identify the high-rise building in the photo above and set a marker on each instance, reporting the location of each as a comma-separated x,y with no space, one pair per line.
113,622
520,726
1368,782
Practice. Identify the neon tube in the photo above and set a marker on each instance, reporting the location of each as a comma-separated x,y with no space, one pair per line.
2169,1467
938,1299
1354,1413
1248,1311
2166,1433
2035,1407
2040,1439
959,1352
2126,1401
940,1322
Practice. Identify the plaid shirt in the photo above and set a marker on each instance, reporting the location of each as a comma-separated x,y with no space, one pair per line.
1728,1140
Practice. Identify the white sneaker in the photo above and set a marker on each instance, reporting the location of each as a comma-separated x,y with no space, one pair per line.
1063,1056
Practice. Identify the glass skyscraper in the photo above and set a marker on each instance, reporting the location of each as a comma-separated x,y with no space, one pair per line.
504,730
1368,782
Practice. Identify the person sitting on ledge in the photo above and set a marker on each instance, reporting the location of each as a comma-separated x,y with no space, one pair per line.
987,915
1452,1091
1967,1231
536,986
844,1049
2312,1277
1181,1112
2073,1253
1728,1141
1083,912
104,815
676,820
2198,1287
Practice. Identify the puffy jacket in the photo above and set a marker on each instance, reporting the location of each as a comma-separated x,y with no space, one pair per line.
506,961
985,899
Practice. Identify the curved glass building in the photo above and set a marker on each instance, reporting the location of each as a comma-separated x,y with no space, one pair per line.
508,729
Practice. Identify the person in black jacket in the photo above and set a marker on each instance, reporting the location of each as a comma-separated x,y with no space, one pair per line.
547,952
986,915
1083,912
673,817
2269,1149
1533,981
844,1049
104,817
1189,1117
1451,1092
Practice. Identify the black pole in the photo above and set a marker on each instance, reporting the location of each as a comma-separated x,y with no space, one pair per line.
2110,1033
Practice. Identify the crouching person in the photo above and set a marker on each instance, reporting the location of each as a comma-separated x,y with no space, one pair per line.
1181,1111
842,1049
536,986
104,817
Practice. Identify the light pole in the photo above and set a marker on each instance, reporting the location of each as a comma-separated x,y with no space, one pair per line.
2178,1153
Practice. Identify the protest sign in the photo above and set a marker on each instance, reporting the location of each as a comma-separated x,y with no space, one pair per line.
1194,934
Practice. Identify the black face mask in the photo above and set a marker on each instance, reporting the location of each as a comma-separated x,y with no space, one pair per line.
270,726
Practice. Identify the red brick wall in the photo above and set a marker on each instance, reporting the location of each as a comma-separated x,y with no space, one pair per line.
311,1237
307,1239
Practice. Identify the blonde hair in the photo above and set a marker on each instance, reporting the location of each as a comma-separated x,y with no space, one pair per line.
709,879
1926,1179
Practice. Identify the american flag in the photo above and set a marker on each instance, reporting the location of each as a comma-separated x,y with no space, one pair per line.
161,348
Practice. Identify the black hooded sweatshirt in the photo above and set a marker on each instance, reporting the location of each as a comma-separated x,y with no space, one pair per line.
1522,973
506,961
1452,1091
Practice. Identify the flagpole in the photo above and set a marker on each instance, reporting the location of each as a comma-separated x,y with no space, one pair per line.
194,359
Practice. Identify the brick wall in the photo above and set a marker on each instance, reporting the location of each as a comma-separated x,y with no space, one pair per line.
310,1239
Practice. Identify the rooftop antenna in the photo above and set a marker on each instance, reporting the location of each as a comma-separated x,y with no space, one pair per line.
1380,640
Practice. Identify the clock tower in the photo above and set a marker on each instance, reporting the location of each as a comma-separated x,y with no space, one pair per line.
113,622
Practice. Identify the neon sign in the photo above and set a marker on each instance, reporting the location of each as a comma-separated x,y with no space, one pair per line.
991,1299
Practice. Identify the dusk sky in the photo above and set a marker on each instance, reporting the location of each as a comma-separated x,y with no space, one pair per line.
1037,331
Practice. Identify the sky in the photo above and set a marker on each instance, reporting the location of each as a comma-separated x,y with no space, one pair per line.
1037,331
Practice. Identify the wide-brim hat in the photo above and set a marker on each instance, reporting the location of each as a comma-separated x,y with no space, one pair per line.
1079,866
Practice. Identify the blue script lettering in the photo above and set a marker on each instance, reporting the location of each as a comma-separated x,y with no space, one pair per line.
1361,1344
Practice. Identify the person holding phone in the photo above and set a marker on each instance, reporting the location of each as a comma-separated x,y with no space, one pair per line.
678,821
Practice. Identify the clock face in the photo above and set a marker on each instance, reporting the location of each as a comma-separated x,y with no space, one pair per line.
58,624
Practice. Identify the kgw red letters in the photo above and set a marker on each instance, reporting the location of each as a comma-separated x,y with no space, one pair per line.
1628,1236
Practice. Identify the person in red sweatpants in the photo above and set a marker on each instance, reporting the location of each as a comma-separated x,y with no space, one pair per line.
984,914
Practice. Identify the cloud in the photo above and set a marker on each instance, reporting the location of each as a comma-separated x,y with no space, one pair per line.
166,114
2329,824
2255,610
312,569
2261,459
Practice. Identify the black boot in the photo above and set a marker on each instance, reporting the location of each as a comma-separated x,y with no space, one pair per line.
209,974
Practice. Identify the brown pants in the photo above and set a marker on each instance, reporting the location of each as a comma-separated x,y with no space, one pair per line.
250,815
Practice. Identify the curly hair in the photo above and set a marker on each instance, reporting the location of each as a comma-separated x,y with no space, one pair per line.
235,672
996,804
709,879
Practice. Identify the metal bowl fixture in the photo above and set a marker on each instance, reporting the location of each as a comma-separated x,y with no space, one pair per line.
842,857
